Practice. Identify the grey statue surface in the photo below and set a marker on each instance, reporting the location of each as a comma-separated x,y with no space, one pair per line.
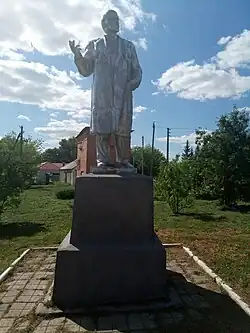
116,73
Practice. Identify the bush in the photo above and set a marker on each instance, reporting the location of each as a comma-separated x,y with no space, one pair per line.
207,192
67,194
174,185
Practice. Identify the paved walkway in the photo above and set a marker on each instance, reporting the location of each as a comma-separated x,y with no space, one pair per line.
197,303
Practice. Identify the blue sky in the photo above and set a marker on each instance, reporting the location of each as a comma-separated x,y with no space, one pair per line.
195,57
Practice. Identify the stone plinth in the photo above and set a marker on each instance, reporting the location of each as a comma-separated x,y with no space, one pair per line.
112,209
112,254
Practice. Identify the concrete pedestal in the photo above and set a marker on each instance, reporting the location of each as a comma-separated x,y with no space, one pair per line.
112,254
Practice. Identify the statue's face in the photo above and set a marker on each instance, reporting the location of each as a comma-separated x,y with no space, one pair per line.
111,23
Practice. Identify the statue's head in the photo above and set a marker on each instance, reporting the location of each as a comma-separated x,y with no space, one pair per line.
110,22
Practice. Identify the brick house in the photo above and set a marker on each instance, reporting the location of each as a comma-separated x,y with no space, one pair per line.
86,151
86,156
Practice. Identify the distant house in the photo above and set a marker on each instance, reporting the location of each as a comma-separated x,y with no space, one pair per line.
48,169
68,172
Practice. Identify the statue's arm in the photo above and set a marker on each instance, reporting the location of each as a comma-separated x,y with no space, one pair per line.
136,69
85,63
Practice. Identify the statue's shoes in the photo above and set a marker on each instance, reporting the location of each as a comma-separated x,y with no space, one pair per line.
118,168
105,165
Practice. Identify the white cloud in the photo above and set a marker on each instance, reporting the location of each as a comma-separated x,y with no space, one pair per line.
236,53
47,25
10,54
141,43
139,109
54,114
40,85
81,114
182,139
217,78
246,108
201,82
224,40
23,117
57,130
75,76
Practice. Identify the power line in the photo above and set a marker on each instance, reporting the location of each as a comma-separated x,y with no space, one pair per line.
168,134
21,141
187,128
142,155
19,136
177,128
152,155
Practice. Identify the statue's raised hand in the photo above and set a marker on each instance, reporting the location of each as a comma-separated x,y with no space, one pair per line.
75,48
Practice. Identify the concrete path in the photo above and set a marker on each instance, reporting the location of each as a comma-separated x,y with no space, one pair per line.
196,304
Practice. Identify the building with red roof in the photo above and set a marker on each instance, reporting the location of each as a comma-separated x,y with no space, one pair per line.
48,170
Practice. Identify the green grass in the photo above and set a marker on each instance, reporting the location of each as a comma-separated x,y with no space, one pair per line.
220,238
40,220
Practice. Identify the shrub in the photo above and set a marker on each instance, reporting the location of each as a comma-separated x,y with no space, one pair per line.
67,194
174,185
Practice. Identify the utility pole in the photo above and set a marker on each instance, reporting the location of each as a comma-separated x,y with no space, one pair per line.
168,134
152,153
21,141
142,155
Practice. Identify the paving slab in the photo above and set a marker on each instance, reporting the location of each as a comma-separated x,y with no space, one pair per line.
195,303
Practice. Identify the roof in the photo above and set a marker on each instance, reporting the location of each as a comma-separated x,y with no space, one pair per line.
59,165
85,130
70,166
48,166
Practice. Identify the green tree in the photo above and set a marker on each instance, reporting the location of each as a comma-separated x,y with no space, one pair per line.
174,185
51,155
146,152
10,178
27,152
223,158
191,152
18,167
187,151
66,152
67,149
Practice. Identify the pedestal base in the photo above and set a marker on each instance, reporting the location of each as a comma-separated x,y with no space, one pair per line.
112,254
93,275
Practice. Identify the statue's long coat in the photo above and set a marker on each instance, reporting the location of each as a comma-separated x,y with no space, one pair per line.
113,73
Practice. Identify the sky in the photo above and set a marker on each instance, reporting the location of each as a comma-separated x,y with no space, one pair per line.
195,57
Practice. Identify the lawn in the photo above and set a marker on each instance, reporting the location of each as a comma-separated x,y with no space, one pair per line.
220,238
40,220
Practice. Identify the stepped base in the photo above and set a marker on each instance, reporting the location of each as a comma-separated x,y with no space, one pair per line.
108,274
